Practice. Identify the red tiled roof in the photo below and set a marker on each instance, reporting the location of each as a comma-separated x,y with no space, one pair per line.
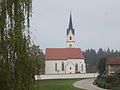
113,61
63,53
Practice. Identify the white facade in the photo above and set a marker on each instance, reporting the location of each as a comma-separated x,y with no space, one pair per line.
70,66
70,40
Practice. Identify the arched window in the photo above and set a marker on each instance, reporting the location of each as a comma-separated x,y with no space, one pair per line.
70,38
55,66
70,45
76,67
62,66
82,67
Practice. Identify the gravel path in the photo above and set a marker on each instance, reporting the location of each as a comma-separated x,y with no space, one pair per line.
87,84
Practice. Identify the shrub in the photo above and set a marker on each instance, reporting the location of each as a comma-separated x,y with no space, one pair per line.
115,88
109,78
98,77
108,82
103,84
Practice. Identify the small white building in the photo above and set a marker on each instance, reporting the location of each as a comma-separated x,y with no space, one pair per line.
65,60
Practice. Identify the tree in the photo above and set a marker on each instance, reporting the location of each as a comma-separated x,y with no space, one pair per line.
91,60
16,69
101,65
37,55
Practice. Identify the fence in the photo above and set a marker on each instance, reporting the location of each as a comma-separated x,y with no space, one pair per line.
64,76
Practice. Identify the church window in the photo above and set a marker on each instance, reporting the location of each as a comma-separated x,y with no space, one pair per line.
70,38
76,67
70,45
70,68
82,67
55,66
62,66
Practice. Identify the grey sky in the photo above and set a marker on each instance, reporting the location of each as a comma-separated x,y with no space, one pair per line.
97,23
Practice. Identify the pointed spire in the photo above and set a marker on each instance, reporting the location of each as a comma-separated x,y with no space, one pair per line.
70,22
70,28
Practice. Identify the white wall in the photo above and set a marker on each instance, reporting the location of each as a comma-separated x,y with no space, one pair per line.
50,66
64,76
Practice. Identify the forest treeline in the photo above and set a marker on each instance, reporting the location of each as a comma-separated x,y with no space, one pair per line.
92,57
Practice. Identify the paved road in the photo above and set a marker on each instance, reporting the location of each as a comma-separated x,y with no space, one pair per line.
87,84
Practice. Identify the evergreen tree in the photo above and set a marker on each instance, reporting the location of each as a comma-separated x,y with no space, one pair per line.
101,65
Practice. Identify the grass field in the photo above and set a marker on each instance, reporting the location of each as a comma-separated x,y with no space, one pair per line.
61,84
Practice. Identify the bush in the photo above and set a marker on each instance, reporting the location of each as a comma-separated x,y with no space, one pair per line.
98,77
103,84
109,78
107,82
115,88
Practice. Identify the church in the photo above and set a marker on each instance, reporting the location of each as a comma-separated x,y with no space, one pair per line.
69,60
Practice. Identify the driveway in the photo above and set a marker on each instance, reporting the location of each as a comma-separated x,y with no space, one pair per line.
87,84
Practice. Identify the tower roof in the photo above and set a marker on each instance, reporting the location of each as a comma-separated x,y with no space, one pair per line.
70,26
70,22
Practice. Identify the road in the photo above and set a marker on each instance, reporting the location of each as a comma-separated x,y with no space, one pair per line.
87,84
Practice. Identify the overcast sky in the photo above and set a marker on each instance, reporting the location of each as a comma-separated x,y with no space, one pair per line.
96,23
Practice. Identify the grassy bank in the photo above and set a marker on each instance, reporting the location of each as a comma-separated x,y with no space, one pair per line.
61,84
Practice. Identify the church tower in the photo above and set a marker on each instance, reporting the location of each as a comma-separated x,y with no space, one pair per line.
70,34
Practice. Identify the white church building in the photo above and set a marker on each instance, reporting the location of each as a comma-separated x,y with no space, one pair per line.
68,60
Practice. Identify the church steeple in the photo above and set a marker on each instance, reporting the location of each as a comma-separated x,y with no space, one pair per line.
70,28
70,34
70,22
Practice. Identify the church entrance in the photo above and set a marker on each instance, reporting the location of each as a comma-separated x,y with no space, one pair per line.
70,68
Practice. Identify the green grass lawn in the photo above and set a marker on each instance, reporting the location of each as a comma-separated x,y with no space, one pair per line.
61,84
